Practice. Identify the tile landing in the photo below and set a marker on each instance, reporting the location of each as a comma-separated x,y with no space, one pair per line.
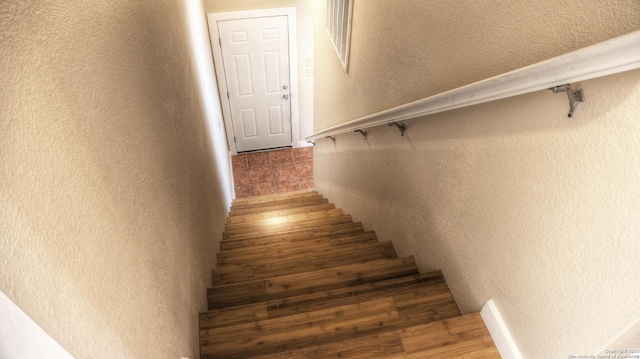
274,171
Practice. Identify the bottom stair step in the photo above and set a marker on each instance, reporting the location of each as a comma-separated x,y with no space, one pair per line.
460,337
398,310
347,329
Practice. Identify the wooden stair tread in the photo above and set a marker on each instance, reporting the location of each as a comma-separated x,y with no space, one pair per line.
309,282
280,249
271,336
302,263
290,218
240,233
418,342
275,239
248,210
277,213
331,325
326,299
277,204
430,285
273,196
307,251
380,346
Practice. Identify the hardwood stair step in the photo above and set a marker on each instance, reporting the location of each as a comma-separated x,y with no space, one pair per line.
379,346
461,337
225,317
274,196
291,218
429,284
465,336
309,282
303,263
276,239
354,294
328,325
295,332
248,210
292,250
276,204
284,227
278,213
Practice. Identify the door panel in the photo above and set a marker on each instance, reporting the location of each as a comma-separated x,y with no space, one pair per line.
255,55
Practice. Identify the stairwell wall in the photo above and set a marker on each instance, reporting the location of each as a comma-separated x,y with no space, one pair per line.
111,202
511,199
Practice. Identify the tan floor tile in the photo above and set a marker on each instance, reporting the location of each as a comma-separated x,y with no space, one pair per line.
241,177
284,171
239,161
288,185
261,174
257,159
305,168
303,153
306,183
281,156
259,189
243,191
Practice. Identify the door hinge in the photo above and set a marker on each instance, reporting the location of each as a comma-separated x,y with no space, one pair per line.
234,139
220,41
228,95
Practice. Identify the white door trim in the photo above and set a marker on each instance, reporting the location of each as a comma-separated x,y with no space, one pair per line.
290,12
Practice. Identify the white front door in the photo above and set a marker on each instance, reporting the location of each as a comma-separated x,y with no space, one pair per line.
255,54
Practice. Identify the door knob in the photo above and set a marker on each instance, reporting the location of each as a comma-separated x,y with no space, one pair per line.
286,97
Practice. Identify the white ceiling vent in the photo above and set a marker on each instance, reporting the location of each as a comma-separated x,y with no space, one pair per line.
338,25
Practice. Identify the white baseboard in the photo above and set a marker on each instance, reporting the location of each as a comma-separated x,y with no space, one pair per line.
499,332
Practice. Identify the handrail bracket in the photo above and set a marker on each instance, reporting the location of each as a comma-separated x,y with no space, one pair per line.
400,127
363,133
332,138
575,97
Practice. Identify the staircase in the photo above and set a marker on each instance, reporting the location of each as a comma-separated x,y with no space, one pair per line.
297,278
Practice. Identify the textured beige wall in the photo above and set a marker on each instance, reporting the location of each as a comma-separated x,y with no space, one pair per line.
239,5
109,209
511,199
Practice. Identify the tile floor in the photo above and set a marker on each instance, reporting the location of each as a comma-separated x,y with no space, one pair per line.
275,171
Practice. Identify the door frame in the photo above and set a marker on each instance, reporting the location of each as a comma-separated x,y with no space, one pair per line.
212,19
